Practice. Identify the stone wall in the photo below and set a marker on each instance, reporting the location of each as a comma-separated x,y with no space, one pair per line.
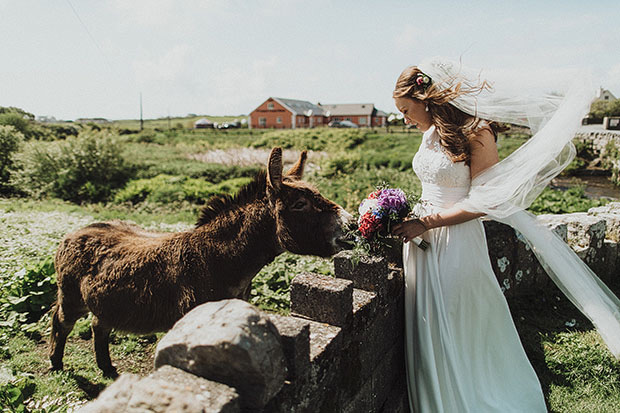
341,349
606,145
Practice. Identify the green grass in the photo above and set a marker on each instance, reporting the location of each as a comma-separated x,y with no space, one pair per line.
578,374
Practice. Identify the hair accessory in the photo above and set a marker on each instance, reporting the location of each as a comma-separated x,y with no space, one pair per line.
422,80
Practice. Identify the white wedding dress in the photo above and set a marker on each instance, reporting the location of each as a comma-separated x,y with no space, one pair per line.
463,351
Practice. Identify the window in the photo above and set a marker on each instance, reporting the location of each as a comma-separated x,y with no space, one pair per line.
362,120
349,119
606,97
262,121
270,106
279,119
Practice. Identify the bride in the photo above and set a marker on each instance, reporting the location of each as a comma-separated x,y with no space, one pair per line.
463,351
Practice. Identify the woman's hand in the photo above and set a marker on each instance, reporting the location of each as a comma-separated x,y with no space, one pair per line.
408,230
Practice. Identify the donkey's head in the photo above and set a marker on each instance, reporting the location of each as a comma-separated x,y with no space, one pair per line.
306,222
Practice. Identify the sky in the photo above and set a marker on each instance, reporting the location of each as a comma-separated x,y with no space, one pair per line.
93,58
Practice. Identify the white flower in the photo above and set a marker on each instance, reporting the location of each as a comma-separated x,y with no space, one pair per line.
367,205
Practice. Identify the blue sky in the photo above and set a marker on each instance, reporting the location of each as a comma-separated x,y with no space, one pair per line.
226,57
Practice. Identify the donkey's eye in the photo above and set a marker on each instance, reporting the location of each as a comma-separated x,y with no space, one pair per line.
299,205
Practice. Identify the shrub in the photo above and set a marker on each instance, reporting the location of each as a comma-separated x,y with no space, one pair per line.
63,131
342,164
28,294
194,169
555,201
166,189
87,168
15,390
320,139
19,122
10,140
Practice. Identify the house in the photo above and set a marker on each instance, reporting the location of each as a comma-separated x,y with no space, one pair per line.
362,114
292,113
604,94
286,113
203,123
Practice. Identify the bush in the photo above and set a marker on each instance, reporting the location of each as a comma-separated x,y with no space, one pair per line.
602,108
555,201
28,294
166,189
15,390
63,131
17,121
87,168
210,172
320,139
10,140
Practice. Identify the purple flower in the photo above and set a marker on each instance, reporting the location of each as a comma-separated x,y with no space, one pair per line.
392,200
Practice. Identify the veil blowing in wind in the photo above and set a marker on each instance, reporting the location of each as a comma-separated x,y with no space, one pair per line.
506,189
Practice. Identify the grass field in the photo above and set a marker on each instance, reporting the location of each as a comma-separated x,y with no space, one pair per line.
164,193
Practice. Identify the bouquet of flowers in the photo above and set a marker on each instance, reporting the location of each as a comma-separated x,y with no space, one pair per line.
380,211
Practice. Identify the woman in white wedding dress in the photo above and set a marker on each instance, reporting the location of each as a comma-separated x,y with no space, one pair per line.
463,351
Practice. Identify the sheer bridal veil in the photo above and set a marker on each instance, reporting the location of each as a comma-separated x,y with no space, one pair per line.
506,189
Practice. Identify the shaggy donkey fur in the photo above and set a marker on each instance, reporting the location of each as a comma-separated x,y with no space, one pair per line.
140,281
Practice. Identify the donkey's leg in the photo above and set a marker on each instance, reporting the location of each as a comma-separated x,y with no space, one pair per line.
63,321
101,335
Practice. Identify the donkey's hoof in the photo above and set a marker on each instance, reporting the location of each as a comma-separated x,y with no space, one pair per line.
56,367
110,372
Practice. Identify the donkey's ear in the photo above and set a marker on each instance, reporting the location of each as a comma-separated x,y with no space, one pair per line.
274,169
297,171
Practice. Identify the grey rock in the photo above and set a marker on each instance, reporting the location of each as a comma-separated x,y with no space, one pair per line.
611,214
230,342
584,230
114,398
322,298
295,333
367,272
166,390
169,389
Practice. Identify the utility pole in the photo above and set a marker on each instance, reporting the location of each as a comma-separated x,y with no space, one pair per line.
141,121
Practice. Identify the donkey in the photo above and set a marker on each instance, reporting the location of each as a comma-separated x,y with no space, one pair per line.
139,281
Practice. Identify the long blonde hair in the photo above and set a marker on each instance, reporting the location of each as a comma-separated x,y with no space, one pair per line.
456,128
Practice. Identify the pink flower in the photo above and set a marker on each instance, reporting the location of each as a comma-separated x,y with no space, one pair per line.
419,80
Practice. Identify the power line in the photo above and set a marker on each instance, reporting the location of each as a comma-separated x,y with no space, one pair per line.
89,34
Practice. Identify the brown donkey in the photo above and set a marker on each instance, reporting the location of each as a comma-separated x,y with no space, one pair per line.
139,281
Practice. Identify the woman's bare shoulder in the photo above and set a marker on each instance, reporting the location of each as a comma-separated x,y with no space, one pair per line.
483,151
483,137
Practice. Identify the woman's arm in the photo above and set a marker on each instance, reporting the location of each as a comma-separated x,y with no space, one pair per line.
483,155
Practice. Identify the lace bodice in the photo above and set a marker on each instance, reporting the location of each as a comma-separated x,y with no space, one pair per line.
433,165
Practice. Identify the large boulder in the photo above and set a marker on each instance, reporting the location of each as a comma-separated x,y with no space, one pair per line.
229,342
611,214
166,390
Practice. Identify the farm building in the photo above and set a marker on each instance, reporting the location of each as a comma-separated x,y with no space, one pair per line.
286,113
362,114
293,113
203,123
604,94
